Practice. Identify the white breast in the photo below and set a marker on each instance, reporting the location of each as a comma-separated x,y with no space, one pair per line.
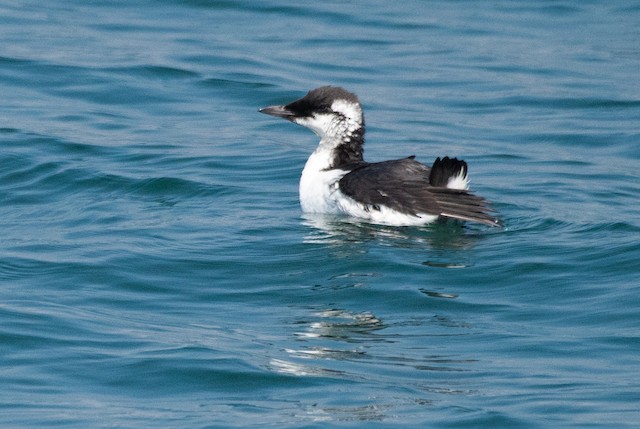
319,185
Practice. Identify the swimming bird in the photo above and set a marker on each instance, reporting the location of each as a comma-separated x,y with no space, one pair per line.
400,192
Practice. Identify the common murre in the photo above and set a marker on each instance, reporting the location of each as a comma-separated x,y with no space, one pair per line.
401,192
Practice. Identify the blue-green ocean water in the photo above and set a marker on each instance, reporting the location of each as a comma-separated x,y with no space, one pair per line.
156,270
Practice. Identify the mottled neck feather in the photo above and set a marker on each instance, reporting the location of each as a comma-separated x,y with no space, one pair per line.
350,150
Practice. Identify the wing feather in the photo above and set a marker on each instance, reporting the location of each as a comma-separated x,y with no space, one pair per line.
403,185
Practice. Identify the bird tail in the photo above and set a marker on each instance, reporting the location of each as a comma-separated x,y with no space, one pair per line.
449,179
449,173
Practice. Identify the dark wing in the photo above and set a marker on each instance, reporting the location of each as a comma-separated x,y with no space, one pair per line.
403,185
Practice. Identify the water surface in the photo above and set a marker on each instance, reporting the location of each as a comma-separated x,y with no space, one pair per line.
156,270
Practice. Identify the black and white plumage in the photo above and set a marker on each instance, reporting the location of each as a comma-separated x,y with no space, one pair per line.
336,179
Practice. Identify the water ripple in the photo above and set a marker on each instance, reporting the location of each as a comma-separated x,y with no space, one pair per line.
155,267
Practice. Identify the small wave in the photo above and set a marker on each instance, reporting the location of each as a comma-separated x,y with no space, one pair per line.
249,83
549,103
155,71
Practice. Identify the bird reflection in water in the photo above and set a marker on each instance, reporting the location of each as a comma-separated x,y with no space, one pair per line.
336,230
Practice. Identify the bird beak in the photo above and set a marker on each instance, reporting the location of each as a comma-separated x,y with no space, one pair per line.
278,111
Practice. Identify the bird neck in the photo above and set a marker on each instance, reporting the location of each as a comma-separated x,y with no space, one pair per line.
343,147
